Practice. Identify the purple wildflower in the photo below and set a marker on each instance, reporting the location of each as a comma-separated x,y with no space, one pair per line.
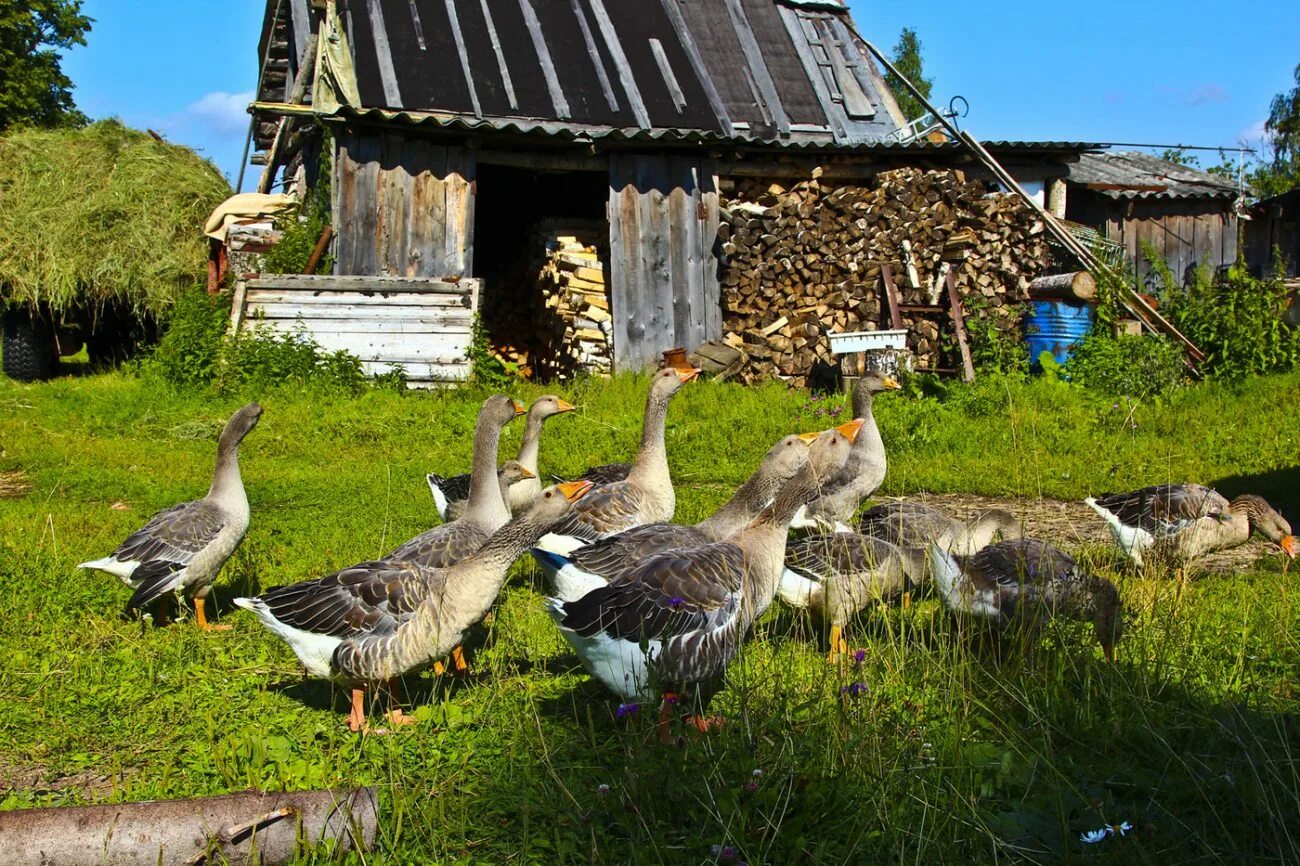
836,411
751,786
853,690
859,656
625,710
725,853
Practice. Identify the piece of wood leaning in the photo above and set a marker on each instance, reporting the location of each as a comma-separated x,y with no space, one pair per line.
959,328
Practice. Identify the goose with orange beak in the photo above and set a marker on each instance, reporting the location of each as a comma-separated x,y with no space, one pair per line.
645,496
378,620
677,618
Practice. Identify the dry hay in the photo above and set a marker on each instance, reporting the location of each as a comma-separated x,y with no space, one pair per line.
102,214
14,484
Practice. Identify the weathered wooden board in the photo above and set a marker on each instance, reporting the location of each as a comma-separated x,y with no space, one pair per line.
422,324
403,206
663,214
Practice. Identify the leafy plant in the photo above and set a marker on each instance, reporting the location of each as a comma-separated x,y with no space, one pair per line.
1133,366
189,352
264,358
1236,319
301,231
33,87
485,367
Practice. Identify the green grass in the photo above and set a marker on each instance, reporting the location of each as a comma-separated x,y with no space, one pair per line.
950,755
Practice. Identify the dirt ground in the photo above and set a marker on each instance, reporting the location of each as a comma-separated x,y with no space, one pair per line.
1072,525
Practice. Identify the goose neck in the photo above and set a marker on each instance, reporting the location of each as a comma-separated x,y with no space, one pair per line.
743,506
528,447
485,500
652,459
227,485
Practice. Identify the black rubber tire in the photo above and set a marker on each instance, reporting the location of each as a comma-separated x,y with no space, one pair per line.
28,347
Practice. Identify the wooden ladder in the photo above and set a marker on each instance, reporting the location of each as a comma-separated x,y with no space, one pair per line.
953,308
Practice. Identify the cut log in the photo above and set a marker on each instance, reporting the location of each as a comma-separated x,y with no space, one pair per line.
1077,286
244,828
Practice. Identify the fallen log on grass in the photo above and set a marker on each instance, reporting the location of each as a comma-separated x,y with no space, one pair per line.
247,827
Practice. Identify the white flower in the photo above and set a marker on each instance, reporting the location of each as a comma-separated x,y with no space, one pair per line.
1093,836
1121,828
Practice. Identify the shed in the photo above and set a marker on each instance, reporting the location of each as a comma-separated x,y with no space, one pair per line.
1272,236
467,138
1188,217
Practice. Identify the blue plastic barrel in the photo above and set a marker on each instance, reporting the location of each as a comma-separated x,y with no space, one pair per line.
1056,327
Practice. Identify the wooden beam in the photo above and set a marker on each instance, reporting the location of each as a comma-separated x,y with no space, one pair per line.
959,328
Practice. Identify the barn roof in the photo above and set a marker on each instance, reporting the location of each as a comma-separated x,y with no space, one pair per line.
779,71
1128,174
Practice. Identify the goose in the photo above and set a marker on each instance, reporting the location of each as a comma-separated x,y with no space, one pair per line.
377,620
185,546
511,472
1184,521
916,524
450,494
861,475
838,574
486,510
645,496
678,617
1028,579
591,566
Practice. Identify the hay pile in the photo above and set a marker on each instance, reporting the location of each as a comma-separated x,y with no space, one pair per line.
102,214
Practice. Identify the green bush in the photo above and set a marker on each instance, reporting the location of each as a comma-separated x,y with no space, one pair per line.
261,358
301,231
1235,319
189,352
1130,366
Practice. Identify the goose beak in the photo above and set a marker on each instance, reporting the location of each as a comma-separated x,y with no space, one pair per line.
1108,650
574,490
810,438
851,430
1288,545
525,473
520,408
686,374
890,383
565,405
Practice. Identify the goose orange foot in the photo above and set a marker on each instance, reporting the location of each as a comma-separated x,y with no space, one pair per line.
839,646
203,619
459,665
706,724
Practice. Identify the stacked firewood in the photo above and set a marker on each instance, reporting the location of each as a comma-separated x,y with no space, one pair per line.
805,258
573,286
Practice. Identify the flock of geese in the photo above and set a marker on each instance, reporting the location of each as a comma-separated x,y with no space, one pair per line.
653,608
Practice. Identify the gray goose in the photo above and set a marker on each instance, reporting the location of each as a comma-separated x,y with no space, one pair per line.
864,472
1184,521
510,473
646,495
838,574
486,512
378,620
1030,581
591,566
184,547
678,617
450,495
916,524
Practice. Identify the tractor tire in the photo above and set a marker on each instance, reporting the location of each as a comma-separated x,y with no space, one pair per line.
28,346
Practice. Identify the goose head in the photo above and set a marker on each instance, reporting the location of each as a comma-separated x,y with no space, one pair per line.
1265,520
546,406
240,425
500,409
828,454
874,382
788,455
669,379
512,471
554,502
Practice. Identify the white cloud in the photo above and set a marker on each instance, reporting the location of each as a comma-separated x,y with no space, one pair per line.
1253,134
219,113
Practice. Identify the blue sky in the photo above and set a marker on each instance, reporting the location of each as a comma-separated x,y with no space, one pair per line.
1190,72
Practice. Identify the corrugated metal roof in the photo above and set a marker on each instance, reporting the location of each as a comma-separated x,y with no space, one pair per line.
567,131
738,69
1129,174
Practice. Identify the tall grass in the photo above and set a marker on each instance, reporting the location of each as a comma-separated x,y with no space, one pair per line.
955,748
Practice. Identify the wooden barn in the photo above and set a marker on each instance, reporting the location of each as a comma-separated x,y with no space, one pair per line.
1272,236
587,141
1188,217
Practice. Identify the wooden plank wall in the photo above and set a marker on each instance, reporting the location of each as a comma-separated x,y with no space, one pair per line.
423,324
663,222
1185,234
402,206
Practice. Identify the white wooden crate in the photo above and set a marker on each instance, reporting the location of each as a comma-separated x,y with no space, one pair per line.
423,324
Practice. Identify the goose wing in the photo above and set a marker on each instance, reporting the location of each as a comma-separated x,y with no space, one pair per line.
619,553
1166,508
669,595
442,546
818,556
908,523
174,535
368,598
605,510
1027,570
454,487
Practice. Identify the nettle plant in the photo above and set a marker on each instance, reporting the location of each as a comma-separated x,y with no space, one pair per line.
1236,319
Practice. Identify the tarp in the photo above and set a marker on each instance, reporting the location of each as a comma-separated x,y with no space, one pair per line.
246,207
